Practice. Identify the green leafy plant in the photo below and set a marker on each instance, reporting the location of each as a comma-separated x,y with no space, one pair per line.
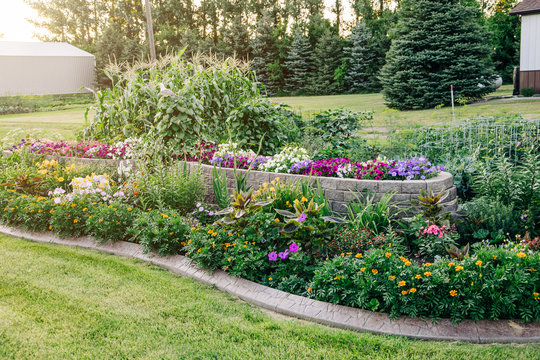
110,222
242,206
367,213
219,184
528,92
69,217
166,233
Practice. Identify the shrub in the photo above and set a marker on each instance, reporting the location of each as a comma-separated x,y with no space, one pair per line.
355,240
479,287
258,119
488,218
528,92
69,218
166,233
110,222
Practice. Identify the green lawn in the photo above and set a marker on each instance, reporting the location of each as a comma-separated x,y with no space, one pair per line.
68,303
62,124
391,119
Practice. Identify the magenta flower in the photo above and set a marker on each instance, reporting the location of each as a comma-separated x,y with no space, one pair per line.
302,218
283,255
293,247
272,256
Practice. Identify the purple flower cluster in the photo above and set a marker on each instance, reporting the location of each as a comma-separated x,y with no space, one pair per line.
414,168
242,162
273,256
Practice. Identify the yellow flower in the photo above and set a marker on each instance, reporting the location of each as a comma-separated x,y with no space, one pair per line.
129,209
375,271
404,292
192,229
453,293
478,263
407,263
164,216
276,220
75,221
402,283
60,179
427,273
270,279
427,264
303,199
391,278
358,255
459,268
51,211
494,257
50,227
387,254
521,254
412,290
536,294
418,276
309,289
363,269
229,259
451,264
265,185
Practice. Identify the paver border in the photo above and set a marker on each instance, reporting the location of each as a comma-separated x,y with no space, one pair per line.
502,331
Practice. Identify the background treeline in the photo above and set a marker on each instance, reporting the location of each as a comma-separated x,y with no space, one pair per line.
295,47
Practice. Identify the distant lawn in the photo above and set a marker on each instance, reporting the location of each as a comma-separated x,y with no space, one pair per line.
67,303
63,124
385,117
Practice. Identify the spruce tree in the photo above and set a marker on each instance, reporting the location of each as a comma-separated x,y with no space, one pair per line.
264,52
361,58
326,60
298,63
437,43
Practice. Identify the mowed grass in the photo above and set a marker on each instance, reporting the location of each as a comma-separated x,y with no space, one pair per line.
69,303
62,124
393,119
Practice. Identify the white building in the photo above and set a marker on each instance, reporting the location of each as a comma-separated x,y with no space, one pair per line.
529,67
41,68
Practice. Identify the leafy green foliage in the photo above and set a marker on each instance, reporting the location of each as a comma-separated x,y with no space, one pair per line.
110,222
494,284
242,206
165,233
69,218
367,213
527,92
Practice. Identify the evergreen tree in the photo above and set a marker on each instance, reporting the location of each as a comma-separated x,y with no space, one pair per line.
361,60
437,43
327,61
298,64
264,52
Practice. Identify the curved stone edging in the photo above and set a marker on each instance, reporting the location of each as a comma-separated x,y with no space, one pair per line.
504,331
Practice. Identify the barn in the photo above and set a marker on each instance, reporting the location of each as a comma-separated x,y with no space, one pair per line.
529,76
42,68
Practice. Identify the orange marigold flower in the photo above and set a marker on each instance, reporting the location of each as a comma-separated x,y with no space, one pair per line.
309,289
402,283
536,294
412,290
75,221
453,293
521,254
459,268
363,269
270,278
407,263
404,292
358,255
451,264
427,273
375,271
418,276
427,264
478,263
391,278
387,254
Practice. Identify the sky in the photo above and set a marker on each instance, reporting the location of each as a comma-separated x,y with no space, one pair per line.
15,27
13,24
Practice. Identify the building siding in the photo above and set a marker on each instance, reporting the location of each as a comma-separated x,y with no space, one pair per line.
530,42
42,75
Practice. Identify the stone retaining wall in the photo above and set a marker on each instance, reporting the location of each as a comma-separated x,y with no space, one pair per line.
338,191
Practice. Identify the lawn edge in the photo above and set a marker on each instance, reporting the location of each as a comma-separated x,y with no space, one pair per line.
484,331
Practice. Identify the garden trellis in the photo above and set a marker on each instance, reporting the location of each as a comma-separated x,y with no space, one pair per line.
510,135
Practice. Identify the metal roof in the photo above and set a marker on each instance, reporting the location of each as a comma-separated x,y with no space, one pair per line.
37,49
526,7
